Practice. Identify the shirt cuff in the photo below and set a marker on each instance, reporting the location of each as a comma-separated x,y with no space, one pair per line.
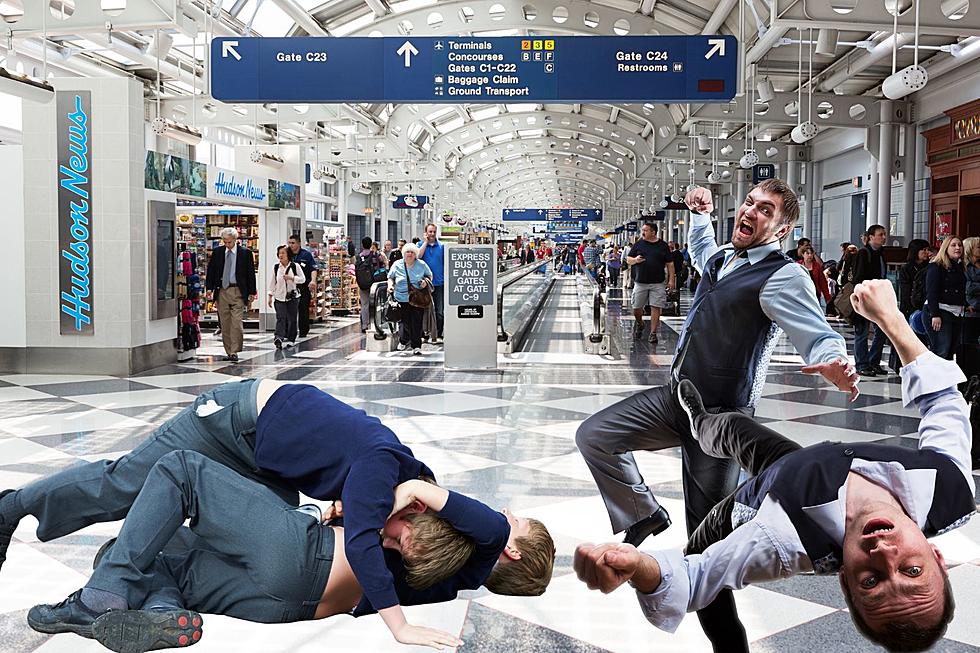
928,374
666,606
700,219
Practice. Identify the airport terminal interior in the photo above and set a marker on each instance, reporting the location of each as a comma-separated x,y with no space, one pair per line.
198,192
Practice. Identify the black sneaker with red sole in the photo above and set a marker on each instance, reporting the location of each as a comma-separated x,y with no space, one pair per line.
138,631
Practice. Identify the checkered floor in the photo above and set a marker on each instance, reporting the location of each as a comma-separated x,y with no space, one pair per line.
505,437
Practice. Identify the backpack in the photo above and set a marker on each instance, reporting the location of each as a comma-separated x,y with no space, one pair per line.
364,270
919,289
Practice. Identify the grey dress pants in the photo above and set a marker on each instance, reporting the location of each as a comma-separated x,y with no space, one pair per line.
104,491
254,557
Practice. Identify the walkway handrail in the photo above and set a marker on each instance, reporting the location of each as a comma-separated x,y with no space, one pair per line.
598,302
378,298
502,335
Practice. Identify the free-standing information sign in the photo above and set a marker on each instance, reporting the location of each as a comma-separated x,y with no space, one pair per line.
485,70
76,297
471,306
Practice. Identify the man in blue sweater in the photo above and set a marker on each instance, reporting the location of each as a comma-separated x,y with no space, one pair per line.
332,452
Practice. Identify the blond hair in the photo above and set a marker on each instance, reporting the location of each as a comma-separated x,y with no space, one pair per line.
942,258
436,550
969,248
530,575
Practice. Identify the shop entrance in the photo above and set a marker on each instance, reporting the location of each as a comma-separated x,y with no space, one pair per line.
969,215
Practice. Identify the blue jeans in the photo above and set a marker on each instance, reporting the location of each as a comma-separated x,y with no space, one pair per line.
946,341
863,357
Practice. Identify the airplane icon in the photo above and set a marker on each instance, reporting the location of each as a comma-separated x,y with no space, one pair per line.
438,45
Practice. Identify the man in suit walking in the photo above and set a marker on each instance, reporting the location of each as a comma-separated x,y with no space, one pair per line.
231,280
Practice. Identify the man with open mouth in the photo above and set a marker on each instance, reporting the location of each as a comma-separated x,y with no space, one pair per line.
749,292
861,510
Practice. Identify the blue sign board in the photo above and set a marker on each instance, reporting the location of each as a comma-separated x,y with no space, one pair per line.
487,70
420,201
567,227
552,215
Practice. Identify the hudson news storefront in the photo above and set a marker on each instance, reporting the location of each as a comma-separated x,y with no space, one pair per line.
194,201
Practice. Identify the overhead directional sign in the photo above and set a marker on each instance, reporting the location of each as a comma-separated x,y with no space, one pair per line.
567,227
551,215
568,69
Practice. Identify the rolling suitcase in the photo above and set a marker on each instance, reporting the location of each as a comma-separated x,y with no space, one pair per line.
673,308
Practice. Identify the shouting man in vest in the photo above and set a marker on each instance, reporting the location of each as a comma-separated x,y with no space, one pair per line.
749,291
862,511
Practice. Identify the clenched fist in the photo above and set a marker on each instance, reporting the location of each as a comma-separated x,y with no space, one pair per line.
699,201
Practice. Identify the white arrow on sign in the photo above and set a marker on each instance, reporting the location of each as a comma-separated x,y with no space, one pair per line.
718,45
228,47
408,50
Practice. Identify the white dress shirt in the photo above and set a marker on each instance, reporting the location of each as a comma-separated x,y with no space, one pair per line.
279,286
767,546
787,297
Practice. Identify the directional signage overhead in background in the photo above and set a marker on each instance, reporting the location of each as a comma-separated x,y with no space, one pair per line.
550,215
567,227
410,202
491,70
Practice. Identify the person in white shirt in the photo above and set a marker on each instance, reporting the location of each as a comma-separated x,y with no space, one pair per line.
284,293
860,510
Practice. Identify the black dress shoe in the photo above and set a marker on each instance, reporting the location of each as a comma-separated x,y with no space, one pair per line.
653,525
690,401
69,616
880,371
137,631
867,371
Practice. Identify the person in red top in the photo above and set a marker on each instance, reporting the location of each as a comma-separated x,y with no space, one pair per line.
581,258
815,268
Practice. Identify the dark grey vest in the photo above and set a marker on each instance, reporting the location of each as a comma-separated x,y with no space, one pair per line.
814,475
727,340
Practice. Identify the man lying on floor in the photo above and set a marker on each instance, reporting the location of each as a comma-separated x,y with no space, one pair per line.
289,438
861,510
256,559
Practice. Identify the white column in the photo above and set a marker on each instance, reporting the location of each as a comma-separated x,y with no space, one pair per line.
721,210
872,208
385,207
341,187
886,153
908,182
807,210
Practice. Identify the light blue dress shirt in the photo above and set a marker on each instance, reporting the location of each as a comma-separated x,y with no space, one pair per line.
787,298
767,547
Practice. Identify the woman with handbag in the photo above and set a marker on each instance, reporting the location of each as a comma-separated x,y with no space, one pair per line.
409,280
282,290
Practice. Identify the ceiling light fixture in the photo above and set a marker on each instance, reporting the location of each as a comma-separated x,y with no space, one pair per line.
175,131
266,159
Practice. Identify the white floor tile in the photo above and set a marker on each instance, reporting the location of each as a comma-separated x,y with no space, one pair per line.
447,402
443,461
430,428
893,408
559,430
43,379
588,404
965,626
19,450
807,434
156,397
19,393
779,409
30,577
87,420
189,379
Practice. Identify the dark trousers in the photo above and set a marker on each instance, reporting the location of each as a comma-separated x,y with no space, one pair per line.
104,491
261,560
304,310
286,315
754,447
438,298
411,330
650,421
613,277
863,356
946,341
